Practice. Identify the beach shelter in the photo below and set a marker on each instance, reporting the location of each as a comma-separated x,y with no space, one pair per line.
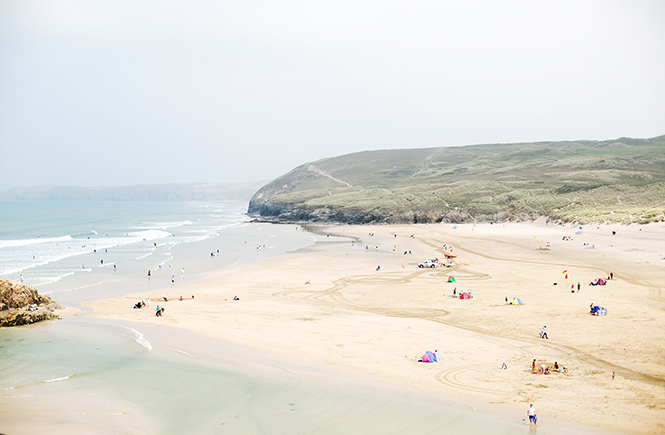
428,357
464,295
451,279
516,301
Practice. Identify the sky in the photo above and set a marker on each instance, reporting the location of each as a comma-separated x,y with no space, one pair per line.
123,92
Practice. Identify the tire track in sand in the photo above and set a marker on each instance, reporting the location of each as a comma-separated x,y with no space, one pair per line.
569,351
334,296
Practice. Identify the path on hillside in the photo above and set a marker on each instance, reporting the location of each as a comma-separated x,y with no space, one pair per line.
325,174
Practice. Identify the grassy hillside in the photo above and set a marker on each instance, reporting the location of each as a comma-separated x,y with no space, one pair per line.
620,180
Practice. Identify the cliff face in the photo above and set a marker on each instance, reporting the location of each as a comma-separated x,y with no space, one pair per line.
21,304
289,212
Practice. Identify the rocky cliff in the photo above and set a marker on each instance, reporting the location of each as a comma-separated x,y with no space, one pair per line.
21,304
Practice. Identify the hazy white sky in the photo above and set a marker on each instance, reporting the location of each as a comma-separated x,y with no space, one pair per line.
116,92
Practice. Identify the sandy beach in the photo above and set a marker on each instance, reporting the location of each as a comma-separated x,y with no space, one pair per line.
357,301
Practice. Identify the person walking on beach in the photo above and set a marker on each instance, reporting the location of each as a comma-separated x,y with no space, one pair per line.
531,412
543,333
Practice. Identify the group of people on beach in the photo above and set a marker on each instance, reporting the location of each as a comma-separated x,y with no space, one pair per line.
160,310
142,303
545,369
601,281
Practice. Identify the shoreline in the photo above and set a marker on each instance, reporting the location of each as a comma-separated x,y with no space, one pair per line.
351,315
192,257
257,362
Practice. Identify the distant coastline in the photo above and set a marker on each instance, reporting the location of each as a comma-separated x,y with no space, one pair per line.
157,192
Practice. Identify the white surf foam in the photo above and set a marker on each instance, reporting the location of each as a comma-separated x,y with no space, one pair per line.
143,256
183,352
163,225
150,234
25,242
58,379
138,337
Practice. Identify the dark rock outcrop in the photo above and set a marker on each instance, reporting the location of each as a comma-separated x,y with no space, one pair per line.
290,213
21,304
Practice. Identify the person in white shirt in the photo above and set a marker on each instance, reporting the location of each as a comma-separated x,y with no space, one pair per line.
533,419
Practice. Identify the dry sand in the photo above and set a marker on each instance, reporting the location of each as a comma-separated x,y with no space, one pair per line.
329,305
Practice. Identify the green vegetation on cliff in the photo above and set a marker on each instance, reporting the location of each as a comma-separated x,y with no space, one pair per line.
619,180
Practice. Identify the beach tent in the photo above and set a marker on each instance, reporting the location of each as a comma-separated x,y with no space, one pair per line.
464,295
451,279
517,301
428,357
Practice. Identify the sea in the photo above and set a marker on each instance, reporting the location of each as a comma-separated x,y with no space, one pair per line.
80,247
84,375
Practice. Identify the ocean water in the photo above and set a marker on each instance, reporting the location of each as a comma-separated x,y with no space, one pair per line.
79,250
83,375
44,242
